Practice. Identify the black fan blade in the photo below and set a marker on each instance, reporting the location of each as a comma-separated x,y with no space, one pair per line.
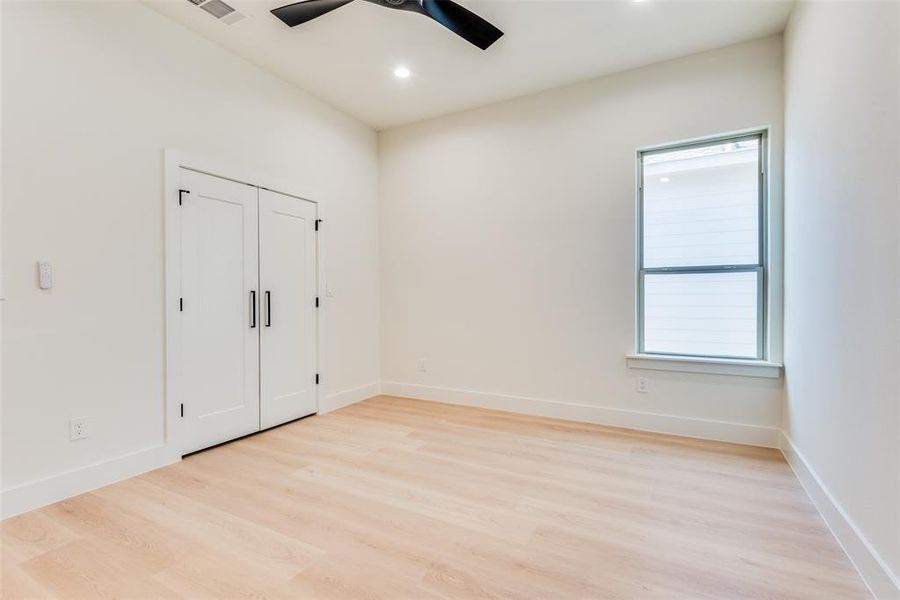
462,22
301,12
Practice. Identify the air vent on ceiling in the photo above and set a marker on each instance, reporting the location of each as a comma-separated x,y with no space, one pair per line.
217,8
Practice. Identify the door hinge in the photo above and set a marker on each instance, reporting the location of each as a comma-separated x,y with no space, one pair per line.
317,379
181,305
182,411
317,223
181,193
317,302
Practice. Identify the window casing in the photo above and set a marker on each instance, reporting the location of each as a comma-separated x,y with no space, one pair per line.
702,220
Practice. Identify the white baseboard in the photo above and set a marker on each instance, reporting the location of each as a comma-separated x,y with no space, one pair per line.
723,431
41,492
884,584
348,397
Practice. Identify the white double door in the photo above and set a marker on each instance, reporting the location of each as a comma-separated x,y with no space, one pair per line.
248,309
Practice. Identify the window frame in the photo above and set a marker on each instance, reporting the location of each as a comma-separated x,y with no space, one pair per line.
761,268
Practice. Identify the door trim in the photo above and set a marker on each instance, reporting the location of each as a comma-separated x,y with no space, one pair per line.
173,160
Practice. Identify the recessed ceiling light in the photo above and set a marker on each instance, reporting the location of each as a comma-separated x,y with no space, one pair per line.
402,72
664,180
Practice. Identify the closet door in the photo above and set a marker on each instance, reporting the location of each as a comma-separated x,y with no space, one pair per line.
287,277
219,322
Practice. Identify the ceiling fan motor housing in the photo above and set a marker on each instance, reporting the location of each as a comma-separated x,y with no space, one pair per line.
413,5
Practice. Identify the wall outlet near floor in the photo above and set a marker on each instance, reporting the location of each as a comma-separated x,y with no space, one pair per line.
420,365
643,385
78,428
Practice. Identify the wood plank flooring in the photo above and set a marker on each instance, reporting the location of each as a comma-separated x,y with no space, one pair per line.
400,499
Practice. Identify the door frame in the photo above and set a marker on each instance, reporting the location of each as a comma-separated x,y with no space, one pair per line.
173,161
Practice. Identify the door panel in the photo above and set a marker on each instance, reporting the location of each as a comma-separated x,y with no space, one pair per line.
287,262
220,349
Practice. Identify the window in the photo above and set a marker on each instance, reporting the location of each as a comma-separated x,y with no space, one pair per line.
702,259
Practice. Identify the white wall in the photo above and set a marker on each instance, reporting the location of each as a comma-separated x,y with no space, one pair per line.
92,94
842,267
507,241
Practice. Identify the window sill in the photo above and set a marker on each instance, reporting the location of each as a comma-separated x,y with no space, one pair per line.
715,366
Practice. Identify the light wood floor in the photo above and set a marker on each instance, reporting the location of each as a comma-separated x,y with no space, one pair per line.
400,499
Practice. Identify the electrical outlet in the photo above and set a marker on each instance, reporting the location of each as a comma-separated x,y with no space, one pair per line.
643,385
420,365
78,428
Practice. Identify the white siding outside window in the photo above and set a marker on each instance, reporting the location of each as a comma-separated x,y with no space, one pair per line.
702,259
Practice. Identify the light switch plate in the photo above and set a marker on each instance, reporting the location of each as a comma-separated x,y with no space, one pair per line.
45,275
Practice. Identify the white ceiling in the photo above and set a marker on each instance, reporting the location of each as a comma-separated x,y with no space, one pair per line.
346,57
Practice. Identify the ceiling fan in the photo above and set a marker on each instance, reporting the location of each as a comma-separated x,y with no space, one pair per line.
451,15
